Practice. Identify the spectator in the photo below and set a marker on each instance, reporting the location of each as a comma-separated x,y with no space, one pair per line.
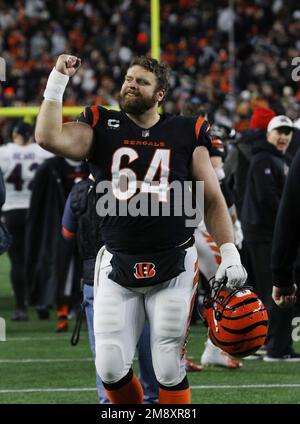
238,159
295,143
265,183
19,161
286,243
51,264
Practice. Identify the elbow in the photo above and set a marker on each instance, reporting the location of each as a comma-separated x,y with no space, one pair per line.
42,139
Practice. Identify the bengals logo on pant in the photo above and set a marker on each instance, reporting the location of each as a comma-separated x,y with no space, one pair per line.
144,270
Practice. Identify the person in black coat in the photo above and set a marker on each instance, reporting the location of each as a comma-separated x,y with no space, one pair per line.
286,240
239,156
290,155
295,143
265,182
49,258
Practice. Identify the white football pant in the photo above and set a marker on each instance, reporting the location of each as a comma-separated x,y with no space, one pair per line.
119,315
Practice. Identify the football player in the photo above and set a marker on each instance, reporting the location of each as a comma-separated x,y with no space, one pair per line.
80,220
19,161
148,265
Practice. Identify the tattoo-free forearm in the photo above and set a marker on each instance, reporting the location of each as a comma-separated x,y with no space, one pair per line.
218,221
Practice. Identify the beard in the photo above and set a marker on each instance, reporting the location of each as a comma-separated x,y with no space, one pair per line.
136,105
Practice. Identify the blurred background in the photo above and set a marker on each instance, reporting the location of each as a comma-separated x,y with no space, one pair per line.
231,55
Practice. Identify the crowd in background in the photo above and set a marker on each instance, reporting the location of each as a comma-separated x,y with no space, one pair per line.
194,41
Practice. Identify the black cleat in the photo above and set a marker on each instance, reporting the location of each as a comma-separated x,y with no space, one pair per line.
20,315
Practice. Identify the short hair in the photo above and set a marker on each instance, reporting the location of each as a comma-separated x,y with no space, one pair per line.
160,69
24,129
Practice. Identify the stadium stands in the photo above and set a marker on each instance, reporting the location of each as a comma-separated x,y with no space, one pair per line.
194,41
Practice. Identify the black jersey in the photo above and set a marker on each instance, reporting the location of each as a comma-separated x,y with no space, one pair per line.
160,154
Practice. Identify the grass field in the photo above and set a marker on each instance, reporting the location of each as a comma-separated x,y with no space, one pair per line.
38,366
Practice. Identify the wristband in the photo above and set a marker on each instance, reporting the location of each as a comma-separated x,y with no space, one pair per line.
56,86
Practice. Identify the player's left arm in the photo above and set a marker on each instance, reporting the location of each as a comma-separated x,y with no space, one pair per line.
217,219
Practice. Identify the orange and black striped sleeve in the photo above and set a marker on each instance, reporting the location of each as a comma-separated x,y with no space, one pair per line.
202,133
90,115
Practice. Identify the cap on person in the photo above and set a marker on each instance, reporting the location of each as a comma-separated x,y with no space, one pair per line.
261,118
280,121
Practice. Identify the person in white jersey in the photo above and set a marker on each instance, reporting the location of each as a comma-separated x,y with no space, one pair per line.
18,162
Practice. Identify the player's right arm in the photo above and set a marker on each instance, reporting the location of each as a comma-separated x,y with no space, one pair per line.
73,139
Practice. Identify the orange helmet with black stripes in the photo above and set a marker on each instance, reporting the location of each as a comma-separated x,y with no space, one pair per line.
237,320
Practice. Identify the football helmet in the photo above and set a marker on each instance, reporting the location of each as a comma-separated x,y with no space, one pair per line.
237,320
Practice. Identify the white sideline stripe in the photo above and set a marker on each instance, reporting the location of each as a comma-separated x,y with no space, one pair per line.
30,339
49,360
71,389
30,360
93,389
245,386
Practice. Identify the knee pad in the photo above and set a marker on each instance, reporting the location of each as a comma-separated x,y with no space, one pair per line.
167,365
110,362
108,319
170,326
109,314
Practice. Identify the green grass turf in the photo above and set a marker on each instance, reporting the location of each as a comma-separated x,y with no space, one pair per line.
36,342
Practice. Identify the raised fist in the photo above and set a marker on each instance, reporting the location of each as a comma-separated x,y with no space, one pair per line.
67,64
